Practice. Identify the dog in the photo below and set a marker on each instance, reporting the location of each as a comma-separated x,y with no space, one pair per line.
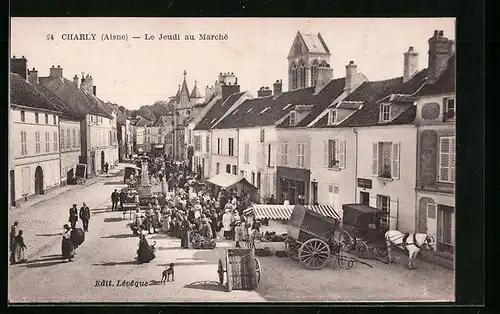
166,274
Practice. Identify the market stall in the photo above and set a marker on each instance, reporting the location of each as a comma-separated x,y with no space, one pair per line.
228,181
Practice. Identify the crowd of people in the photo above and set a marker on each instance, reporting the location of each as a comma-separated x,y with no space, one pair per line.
192,211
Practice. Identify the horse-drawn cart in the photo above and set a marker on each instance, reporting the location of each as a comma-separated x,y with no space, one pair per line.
242,269
311,240
364,229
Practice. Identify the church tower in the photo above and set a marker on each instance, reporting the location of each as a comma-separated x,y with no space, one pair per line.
308,52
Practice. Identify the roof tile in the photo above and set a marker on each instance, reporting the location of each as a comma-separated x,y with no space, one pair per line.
23,93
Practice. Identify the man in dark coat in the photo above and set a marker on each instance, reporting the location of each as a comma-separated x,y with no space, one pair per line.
114,200
123,199
85,216
73,216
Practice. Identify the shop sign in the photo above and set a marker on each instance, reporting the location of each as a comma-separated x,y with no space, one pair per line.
364,183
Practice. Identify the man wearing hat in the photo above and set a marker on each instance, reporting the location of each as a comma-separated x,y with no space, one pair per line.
85,216
73,216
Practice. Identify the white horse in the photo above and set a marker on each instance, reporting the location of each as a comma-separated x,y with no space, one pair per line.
409,242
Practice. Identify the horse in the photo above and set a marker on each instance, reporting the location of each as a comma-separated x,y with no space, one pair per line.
410,242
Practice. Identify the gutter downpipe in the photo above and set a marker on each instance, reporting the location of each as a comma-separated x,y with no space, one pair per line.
355,164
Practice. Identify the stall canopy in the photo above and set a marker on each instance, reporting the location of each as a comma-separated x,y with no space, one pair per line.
226,180
284,212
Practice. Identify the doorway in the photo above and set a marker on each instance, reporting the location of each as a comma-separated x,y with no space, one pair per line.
12,189
69,176
364,198
39,181
314,187
102,161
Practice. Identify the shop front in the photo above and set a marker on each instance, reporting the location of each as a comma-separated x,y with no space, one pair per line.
293,185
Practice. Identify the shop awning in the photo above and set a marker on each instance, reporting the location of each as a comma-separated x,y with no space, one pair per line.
159,146
284,212
226,180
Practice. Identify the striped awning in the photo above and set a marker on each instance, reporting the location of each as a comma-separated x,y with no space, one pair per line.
284,212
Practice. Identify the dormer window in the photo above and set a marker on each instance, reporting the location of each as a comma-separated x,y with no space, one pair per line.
385,113
449,109
332,117
293,116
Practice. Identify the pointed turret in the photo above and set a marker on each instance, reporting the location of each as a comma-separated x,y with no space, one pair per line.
195,93
177,96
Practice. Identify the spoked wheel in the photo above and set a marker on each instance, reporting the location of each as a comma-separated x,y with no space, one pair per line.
220,271
346,241
362,249
258,271
314,254
292,248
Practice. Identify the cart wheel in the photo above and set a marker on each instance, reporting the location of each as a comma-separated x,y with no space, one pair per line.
220,271
258,271
346,242
314,254
362,249
291,248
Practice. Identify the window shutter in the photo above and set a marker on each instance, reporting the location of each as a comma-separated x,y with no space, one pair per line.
395,160
375,160
342,154
444,159
452,159
380,113
325,153
288,151
298,155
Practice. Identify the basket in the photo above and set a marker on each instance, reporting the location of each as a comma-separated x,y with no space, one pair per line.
209,245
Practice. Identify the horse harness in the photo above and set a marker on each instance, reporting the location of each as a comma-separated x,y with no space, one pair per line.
405,238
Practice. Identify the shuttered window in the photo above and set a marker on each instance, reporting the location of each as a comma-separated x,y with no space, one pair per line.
24,147
301,151
37,140
386,160
334,154
447,159
246,155
47,141
55,141
284,154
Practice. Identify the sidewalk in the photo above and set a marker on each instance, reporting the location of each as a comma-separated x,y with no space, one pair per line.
40,199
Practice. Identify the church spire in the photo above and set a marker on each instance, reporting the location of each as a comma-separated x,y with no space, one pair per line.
184,89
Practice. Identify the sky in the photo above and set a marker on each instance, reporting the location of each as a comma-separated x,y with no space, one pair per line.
136,72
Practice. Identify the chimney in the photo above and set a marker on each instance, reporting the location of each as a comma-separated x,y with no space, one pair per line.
351,77
89,84
33,76
324,76
75,80
410,64
264,92
228,90
440,49
94,90
56,72
19,66
277,88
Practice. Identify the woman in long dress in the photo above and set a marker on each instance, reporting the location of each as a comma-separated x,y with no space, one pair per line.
144,253
17,255
68,250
